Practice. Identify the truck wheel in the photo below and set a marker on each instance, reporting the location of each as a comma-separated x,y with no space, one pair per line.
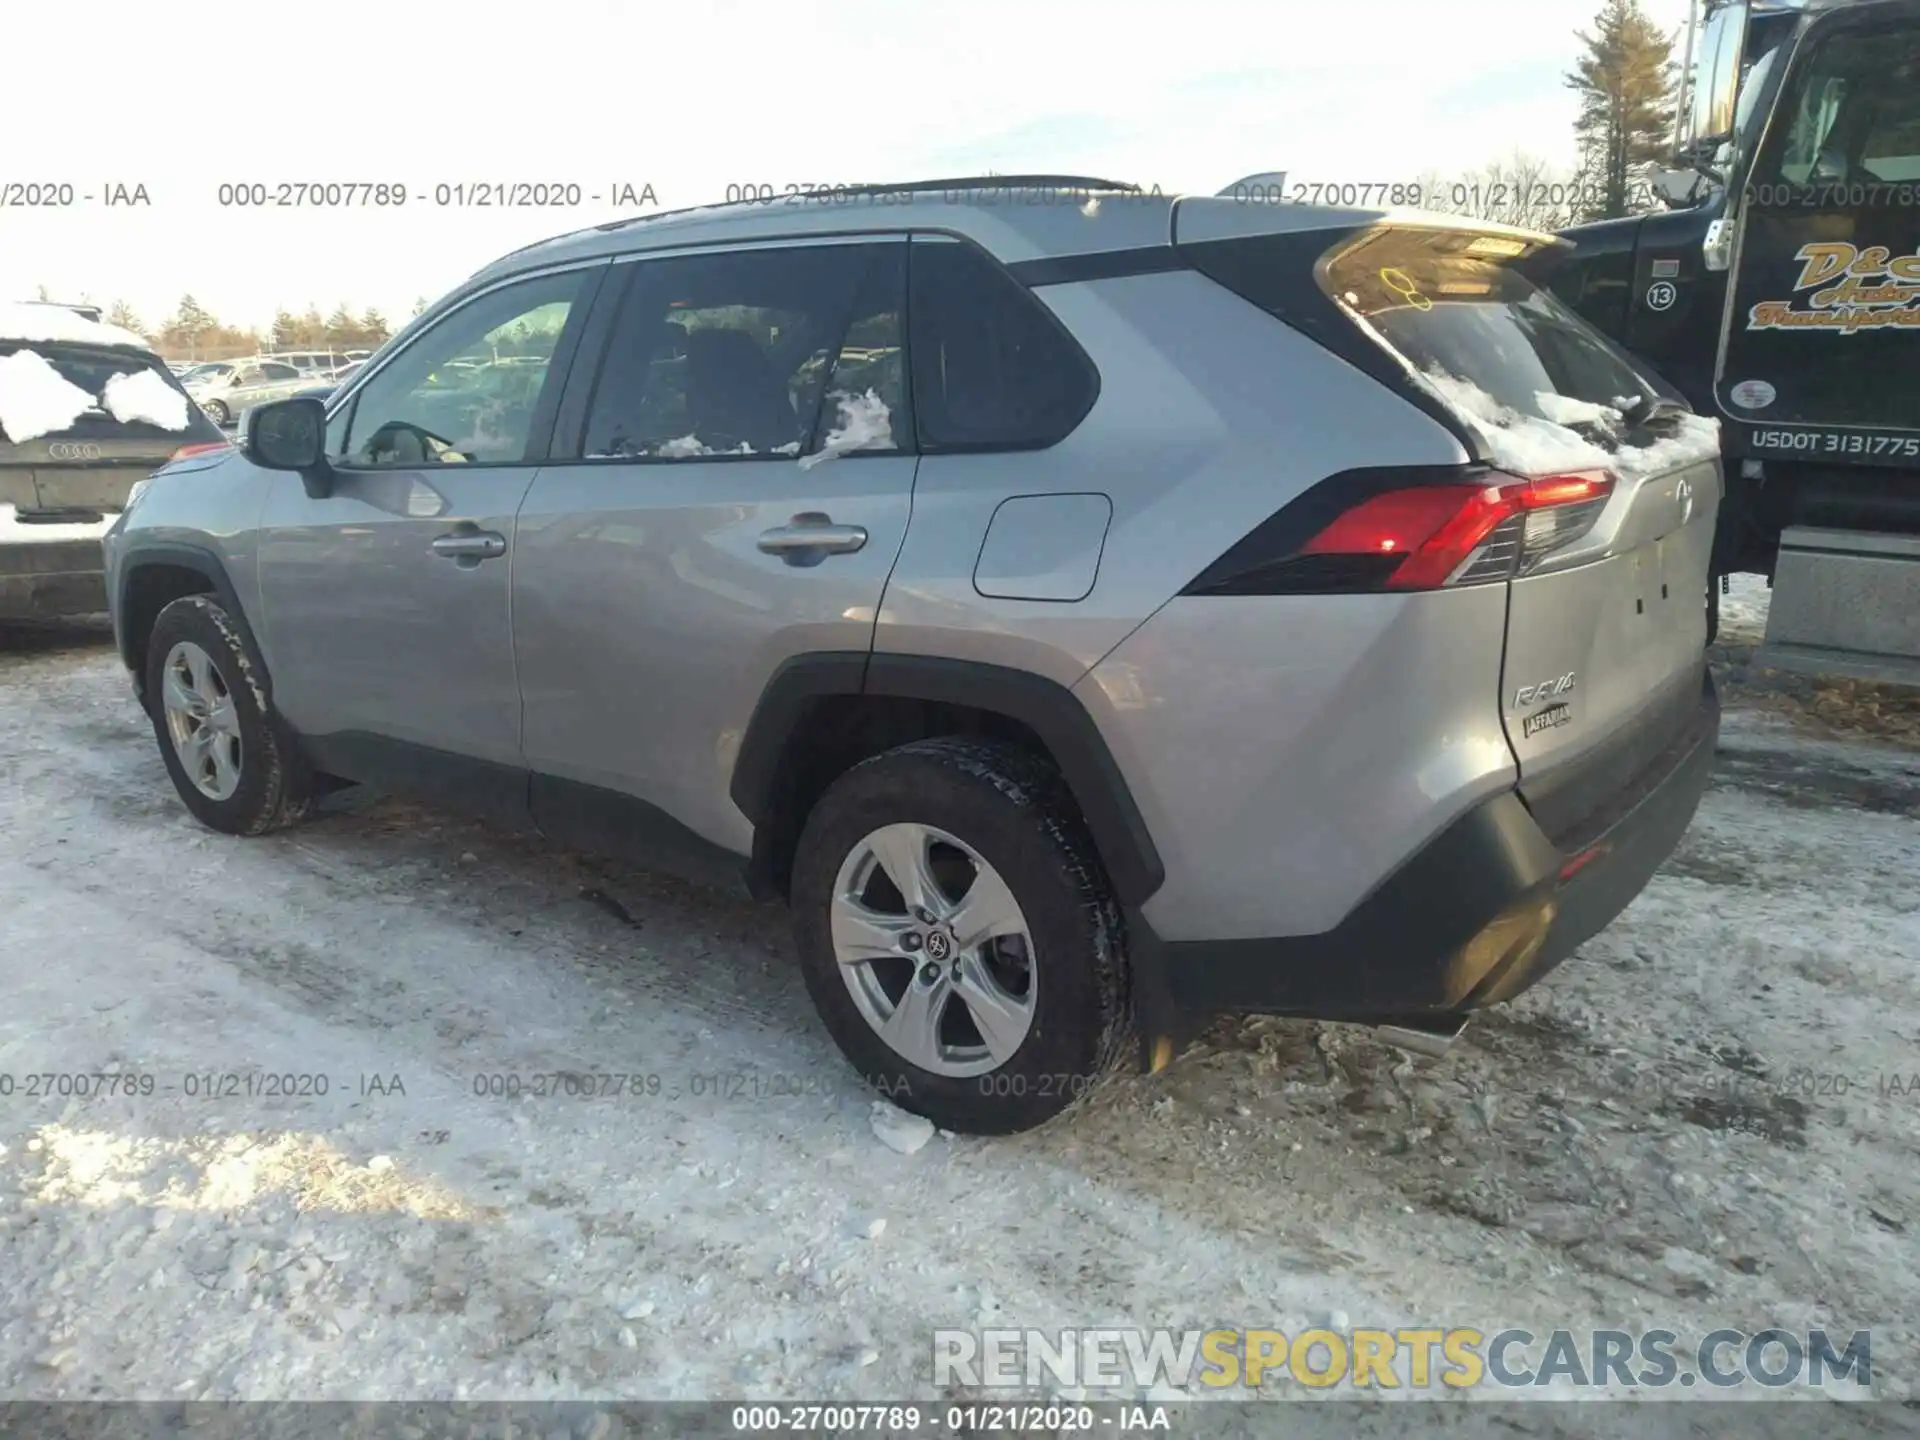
236,767
958,936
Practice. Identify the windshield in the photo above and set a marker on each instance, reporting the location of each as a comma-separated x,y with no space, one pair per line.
1750,91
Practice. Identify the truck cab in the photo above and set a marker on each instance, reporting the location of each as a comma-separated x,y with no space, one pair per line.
1780,291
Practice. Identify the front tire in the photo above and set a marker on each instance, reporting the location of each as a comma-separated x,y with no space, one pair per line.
236,767
218,412
958,936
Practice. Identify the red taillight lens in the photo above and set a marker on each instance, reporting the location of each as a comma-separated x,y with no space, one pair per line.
206,447
1451,534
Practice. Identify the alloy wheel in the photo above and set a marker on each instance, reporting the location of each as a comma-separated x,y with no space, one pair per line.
201,720
934,949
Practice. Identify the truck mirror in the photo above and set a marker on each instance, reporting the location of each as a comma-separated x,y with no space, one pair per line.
1678,188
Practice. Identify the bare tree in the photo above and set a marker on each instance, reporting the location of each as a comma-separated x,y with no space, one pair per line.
1522,190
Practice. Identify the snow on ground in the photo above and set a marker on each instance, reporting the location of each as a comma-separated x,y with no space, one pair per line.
12,532
1829,708
1688,1125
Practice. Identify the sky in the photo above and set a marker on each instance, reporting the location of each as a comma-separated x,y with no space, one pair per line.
690,100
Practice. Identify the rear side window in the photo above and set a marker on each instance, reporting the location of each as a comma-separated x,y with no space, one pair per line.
50,393
992,368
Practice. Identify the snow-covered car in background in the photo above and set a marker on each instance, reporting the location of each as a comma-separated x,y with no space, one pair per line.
87,411
228,389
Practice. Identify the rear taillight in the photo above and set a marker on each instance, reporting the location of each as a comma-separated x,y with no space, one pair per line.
205,447
1428,536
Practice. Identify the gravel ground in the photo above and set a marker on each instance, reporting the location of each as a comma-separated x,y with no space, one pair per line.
1701,1120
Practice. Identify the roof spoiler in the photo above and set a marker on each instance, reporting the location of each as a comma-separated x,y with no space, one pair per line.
1267,186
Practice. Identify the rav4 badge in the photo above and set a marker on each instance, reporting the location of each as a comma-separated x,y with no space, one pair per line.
1545,690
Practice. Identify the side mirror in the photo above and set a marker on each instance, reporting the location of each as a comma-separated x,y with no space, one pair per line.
1678,188
292,435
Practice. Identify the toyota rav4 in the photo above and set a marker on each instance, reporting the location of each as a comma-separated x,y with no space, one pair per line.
1091,610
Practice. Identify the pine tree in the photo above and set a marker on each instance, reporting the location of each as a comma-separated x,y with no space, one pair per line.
373,328
189,324
342,329
122,314
1625,81
286,330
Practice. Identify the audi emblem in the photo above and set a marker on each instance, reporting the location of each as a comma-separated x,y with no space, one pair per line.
72,450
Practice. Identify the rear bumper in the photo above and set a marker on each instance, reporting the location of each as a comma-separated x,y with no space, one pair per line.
1482,912
52,579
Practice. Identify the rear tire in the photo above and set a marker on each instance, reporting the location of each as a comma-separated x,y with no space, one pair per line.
1011,1006
235,765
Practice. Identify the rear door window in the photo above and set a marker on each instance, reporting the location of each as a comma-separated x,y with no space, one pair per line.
992,368
64,393
755,354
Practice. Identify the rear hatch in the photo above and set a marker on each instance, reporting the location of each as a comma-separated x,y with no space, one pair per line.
80,423
1605,550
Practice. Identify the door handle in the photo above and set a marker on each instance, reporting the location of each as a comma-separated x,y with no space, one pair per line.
811,538
470,546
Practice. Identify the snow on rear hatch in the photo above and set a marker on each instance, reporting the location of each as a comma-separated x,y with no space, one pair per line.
36,399
143,396
1544,391
1607,635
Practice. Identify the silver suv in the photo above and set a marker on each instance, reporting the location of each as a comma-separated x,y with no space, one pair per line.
1091,610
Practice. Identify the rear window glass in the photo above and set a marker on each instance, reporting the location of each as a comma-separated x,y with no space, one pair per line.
50,393
1544,388
992,368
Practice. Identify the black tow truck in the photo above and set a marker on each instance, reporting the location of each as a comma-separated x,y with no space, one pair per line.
1780,291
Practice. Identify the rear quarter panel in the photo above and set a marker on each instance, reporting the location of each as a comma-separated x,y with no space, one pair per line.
1211,416
1288,753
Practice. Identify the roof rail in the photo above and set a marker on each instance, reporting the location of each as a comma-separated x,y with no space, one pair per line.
907,187
896,187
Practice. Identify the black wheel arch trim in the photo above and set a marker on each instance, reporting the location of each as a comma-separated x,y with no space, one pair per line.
1044,706
146,554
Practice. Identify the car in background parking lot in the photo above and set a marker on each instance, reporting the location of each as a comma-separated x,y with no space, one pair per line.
87,411
227,388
